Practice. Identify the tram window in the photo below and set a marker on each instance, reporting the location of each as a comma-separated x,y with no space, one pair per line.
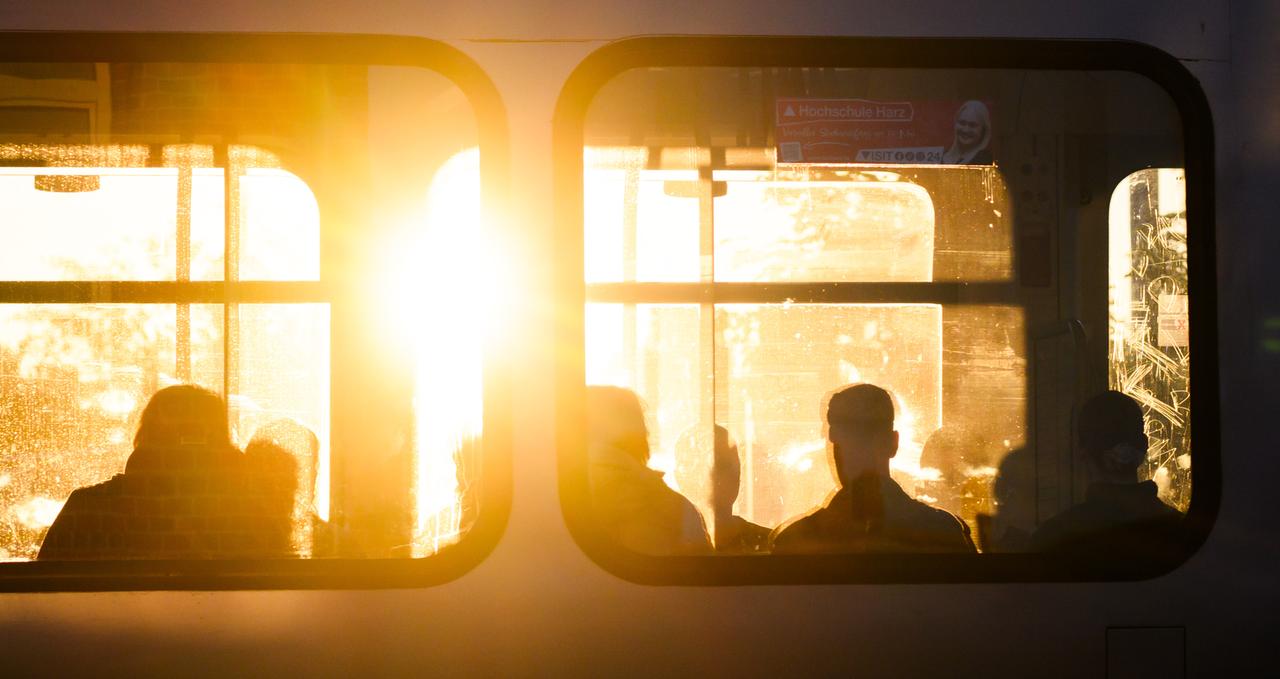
757,239
264,232
1149,350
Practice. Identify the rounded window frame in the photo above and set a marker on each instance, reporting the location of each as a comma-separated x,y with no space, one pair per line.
261,574
916,53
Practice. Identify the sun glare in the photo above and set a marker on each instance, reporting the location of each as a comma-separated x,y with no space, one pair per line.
442,284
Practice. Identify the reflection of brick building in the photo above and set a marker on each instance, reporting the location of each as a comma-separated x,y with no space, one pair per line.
291,110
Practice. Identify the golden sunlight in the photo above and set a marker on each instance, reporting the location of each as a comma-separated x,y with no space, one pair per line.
124,221
773,363
443,284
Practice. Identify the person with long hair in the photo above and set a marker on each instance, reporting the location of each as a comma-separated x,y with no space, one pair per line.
972,136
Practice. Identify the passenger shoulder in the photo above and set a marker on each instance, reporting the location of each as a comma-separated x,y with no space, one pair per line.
948,528
795,531
111,485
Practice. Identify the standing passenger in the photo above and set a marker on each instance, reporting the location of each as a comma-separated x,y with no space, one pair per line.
870,512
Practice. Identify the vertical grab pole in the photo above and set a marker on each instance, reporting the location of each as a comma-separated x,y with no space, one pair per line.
182,330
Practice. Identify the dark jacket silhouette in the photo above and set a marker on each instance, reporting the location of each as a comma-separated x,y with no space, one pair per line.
1121,518
186,493
870,512
875,515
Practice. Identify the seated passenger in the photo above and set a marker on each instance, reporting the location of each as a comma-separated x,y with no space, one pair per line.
708,472
311,535
1121,516
1013,496
870,512
271,494
183,494
733,534
964,476
631,502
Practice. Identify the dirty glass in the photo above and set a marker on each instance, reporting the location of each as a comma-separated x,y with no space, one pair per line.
1149,347
758,239
264,232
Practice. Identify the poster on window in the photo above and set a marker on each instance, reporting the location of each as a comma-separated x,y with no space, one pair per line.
916,132
1173,323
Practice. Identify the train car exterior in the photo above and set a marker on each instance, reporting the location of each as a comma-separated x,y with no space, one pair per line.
556,120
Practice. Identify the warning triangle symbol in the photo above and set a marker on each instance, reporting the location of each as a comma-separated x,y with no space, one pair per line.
789,113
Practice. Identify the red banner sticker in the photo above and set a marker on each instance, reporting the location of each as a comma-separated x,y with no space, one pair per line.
932,132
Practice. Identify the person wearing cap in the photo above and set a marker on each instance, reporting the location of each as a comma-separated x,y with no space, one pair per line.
869,512
1121,517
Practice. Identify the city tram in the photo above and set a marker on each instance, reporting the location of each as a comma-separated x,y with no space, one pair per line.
428,338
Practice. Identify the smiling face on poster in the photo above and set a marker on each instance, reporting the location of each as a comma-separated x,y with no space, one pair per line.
972,136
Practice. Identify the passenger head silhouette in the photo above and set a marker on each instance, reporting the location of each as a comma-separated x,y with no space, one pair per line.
707,467
271,488
951,450
616,418
1112,435
183,415
860,429
182,427
726,472
300,443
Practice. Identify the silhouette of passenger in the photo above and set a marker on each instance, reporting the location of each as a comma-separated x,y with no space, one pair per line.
1014,503
712,483
186,492
1121,517
310,534
870,512
631,502
963,485
272,487
733,534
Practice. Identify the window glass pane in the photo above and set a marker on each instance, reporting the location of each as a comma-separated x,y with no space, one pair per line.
794,223
281,227
654,237
94,223
1149,352
121,227
786,226
935,233
354,406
